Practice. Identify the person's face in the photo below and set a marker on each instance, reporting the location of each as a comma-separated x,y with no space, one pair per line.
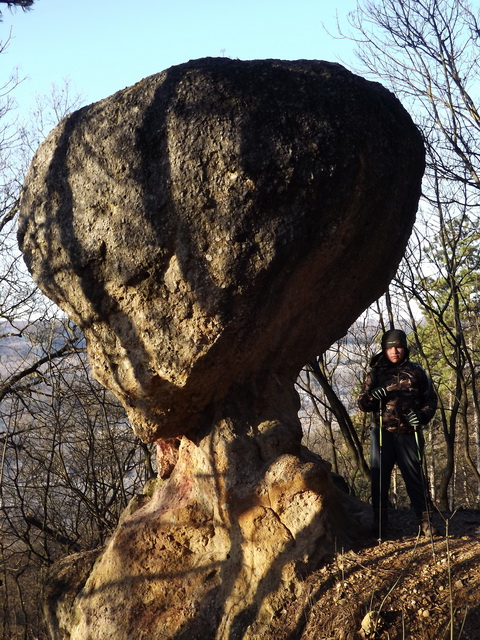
395,354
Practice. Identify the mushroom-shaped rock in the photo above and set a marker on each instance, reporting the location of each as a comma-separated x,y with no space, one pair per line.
217,221
211,229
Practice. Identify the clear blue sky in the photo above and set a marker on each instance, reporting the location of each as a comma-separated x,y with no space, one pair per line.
105,45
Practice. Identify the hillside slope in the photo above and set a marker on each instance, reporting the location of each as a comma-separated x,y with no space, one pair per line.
403,587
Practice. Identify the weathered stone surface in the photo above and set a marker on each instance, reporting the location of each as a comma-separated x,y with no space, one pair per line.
218,220
210,229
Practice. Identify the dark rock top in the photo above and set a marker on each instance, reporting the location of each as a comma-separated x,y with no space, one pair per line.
219,220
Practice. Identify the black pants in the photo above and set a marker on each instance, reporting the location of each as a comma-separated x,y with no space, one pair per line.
402,449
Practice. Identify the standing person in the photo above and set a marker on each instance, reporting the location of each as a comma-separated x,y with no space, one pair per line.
402,400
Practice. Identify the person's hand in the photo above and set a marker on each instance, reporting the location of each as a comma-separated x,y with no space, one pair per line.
379,393
413,419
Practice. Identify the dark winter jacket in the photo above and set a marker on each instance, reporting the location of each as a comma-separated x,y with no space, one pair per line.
408,389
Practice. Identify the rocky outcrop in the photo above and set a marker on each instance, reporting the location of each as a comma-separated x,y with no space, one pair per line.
211,229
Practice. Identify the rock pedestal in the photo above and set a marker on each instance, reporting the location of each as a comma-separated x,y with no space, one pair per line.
225,542
211,229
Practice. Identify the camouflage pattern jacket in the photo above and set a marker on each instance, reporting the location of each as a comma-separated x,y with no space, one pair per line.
408,389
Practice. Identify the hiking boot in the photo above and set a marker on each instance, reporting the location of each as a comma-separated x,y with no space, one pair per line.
425,525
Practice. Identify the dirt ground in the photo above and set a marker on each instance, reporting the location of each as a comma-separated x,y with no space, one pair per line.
404,587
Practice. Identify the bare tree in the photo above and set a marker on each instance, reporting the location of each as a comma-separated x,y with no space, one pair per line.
329,387
23,4
427,51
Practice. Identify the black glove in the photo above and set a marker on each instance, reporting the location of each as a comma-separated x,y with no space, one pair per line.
413,419
379,393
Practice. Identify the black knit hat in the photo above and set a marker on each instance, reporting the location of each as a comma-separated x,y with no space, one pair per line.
394,338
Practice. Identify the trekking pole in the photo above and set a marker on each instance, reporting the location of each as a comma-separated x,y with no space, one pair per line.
426,495
380,444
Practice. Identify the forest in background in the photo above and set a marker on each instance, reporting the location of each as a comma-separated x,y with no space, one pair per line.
70,463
